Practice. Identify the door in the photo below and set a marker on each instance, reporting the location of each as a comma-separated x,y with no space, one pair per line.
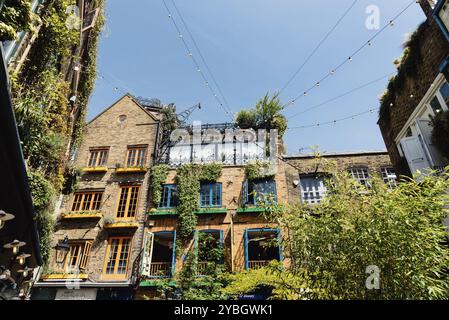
426,128
147,254
414,153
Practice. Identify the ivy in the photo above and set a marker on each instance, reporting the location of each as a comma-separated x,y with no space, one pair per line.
49,124
188,179
158,176
15,16
407,67
258,170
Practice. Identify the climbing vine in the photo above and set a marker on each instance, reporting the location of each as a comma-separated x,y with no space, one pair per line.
258,170
188,179
15,16
48,122
158,176
407,67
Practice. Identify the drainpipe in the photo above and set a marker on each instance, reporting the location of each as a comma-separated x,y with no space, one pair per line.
232,242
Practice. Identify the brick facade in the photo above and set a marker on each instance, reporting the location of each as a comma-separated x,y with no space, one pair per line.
124,124
433,49
301,165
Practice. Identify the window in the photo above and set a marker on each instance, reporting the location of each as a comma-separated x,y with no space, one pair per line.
159,254
313,189
261,246
136,156
210,195
361,175
389,177
444,13
209,246
169,197
76,258
258,191
117,257
127,206
436,105
444,91
98,157
87,201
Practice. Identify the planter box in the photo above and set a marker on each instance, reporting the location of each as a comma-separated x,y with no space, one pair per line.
162,212
131,170
82,215
81,276
212,211
95,169
168,212
122,225
250,209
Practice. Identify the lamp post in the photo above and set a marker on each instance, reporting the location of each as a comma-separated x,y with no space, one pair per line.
62,248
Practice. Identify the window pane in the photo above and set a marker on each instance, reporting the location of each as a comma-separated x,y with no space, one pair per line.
122,202
205,195
114,244
93,158
361,175
445,93
436,106
389,177
264,190
313,189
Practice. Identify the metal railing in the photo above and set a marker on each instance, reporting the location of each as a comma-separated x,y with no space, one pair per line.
257,264
201,268
160,269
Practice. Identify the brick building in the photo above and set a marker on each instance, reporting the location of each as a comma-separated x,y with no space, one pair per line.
417,93
306,173
101,223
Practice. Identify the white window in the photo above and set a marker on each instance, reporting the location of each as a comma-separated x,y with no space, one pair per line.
361,175
415,140
313,189
389,177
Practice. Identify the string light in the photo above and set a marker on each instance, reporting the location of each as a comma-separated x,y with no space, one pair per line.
367,43
228,111
319,124
341,95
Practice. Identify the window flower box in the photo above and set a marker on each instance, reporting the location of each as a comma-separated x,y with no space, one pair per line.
82,215
63,276
131,170
94,169
121,225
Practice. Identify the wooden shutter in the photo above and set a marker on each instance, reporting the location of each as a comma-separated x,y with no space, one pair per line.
147,254
86,253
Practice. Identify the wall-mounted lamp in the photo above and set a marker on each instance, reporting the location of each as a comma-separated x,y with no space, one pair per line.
15,245
5,217
22,258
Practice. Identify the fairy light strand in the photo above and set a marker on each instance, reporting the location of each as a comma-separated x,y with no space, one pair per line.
195,62
318,47
350,57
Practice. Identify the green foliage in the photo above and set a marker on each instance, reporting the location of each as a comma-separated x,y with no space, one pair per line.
44,114
15,16
283,285
265,115
440,132
158,176
400,231
407,67
258,170
188,178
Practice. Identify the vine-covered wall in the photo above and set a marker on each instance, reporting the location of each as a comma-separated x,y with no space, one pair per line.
49,123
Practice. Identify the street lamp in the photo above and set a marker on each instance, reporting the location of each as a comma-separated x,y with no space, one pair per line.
5,217
15,245
22,257
25,271
62,248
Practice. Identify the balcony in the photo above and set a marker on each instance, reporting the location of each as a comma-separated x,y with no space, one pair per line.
160,269
94,169
131,170
82,215
257,264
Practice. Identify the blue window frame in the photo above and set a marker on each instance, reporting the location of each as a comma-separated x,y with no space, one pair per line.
169,198
210,195
257,191
254,235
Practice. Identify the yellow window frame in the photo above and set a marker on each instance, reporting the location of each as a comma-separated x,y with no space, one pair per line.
126,215
84,195
115,275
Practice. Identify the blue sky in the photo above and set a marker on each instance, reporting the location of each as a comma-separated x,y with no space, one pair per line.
253,47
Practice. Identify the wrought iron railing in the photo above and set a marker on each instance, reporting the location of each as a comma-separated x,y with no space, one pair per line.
257,264
160,269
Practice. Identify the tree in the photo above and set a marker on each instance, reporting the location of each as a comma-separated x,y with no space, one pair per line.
336,248
265,115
